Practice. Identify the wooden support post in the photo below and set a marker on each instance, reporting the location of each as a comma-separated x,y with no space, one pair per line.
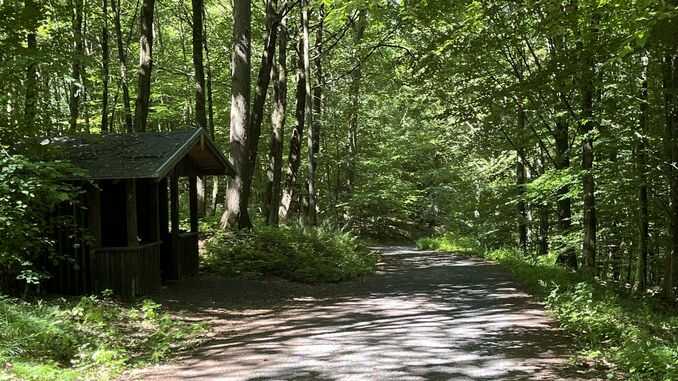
163,202
193,201
132,227
94,215
174,201
154,198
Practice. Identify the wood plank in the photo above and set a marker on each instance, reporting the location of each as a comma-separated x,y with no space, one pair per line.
193,201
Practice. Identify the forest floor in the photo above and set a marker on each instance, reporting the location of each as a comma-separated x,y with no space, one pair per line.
422,316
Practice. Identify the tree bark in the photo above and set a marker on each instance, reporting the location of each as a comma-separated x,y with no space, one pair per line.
354,96
274,172
521,182
641,163
31,79
122,57
198,68
294,157
671,157
588,181
235,215
76,67
145,65
314,115
105,59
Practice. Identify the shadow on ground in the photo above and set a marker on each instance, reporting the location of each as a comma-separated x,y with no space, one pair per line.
423,316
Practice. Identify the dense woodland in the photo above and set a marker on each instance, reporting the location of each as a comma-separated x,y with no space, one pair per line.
550,125
547,126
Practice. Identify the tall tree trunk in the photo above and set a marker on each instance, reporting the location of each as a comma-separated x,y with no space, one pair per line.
122,57
31,78
76,66
199,77
671,157
145,65
315,115
641,163
235,215
544,221
274,173
105,54
198,68
354,97
588,182
263,80
521,182
210,108
294,157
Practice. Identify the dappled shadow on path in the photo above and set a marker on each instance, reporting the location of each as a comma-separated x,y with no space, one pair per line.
423,316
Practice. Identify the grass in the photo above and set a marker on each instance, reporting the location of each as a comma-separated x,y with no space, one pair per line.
91,338
308,255
633,335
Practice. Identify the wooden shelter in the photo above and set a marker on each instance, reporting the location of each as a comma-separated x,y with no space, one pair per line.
132,211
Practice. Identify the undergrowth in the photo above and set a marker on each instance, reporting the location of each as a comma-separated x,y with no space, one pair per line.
634,335
308,255
91,338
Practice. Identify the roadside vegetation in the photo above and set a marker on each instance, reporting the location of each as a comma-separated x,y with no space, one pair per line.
296,253
91,338
634,334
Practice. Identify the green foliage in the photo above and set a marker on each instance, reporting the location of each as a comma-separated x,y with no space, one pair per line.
636,336
448,242
301,254
91,338
29,191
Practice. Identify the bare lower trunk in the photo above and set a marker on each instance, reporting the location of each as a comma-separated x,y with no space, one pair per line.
263,80
76,67
294,158
235,215
145,65
274,173
641,165
105,54
354,96
198,68
122,57
31,82
521,182
315,121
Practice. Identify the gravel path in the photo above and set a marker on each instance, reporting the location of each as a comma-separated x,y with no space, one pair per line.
423,316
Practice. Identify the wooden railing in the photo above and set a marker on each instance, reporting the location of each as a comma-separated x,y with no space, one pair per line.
127,271
185,254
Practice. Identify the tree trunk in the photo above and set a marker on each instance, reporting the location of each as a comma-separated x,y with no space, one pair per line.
105,54
263,80
274,173
210,108
122,57
588,182
294,158
76,67
145,65
31,79
198,68
235,215
641,164
671,156
521,182
354,97
544,221
314,115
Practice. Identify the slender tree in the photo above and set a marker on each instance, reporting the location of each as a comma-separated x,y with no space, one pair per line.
641,165
122,58
105,54
31,72
274,172
75,90
315,115
294,156
358,29
145,65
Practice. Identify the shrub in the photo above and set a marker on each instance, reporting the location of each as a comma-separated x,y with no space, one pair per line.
91,337
296,253
29,191
448,242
